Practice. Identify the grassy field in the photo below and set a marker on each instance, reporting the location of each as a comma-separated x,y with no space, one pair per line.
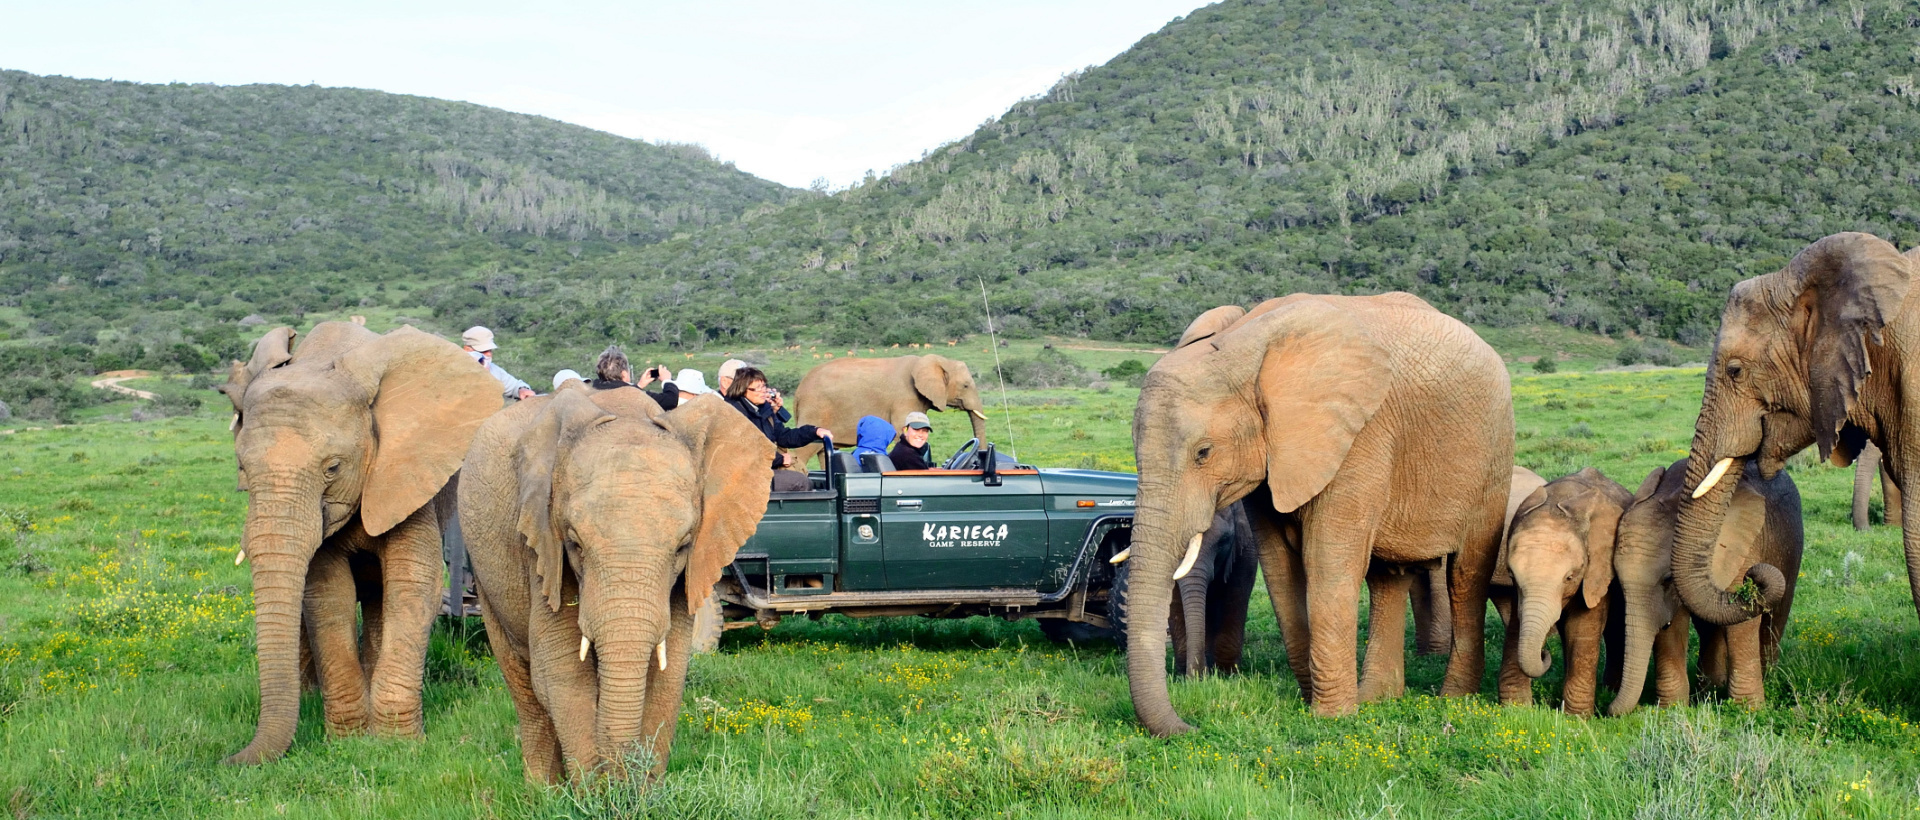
126,673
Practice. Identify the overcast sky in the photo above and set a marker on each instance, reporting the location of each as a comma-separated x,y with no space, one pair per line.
789,90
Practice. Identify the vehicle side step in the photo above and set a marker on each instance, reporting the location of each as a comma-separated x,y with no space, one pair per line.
1011,597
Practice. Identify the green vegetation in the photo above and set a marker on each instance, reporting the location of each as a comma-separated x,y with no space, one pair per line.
126,673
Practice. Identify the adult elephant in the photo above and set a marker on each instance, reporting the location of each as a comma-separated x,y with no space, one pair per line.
598,523
1815,353
343,444
836,394
1331,415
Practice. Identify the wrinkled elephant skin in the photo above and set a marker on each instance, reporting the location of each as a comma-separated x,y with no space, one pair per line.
1559,562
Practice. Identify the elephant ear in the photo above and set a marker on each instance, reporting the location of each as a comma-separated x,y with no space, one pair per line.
1320,378
1650,485
1854,284
734,484
1208,324
930,380
1604,506
1733,551
535,460
427,400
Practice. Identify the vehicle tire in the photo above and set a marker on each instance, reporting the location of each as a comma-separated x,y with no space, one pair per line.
1061,630
707,626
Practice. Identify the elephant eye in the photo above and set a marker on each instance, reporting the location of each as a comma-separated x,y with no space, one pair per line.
1734,368
333,469
1202,455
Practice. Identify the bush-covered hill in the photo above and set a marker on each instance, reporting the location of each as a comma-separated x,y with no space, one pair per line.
1612,166
121,203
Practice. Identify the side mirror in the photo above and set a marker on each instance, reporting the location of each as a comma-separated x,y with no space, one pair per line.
990,467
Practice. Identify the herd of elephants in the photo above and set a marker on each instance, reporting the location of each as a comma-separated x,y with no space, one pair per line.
1350,441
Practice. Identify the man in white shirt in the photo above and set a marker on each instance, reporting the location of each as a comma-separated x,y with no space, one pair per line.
478,342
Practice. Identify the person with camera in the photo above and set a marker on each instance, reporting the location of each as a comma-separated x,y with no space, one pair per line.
752,396
613,371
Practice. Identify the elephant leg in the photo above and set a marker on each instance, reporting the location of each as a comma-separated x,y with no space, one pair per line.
329,620
1227,615
539,748
1890,497
1746,681
367,589
1336,546
1516,689
1670,686
1280,562
1580,642
1385,673
1864,467
1614,639
568,687
1183,645
667,687
1469,575
410,572
1713,653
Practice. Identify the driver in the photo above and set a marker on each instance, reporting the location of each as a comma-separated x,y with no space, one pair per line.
913,452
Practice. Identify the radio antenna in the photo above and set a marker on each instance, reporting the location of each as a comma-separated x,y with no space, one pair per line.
994,339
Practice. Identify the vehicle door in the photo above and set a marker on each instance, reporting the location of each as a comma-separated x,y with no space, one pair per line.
950,530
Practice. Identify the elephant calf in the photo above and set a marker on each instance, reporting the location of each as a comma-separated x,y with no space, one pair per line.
1559,560
1762,526
598,524
1209,621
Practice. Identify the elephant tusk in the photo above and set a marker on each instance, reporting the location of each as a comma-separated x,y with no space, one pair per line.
1121,556
1712,477
978,414
661,653
1193,554
234,423
240,557
584,644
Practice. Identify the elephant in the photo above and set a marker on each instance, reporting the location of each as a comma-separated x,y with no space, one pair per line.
1329,415
1864,469
836,394
1209,620
597,525
344,443
1814,353
1762,524
1559,562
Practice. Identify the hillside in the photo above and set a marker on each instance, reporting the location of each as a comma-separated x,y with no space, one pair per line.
155,215
1607,166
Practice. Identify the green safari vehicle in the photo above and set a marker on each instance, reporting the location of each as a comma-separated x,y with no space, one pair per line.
984,535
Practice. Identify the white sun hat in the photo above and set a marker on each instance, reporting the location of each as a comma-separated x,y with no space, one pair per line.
561,378
692,381
478,338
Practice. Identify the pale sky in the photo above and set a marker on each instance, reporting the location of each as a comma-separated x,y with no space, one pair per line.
790,90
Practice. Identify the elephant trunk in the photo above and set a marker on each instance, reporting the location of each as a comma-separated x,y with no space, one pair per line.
1642,624
1864,468
624,657
1697,535
977,418
1193,608
283,530
1150,594
1537,617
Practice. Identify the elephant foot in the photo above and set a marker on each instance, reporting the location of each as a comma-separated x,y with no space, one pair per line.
400,725
346,728
1335,707
1384,689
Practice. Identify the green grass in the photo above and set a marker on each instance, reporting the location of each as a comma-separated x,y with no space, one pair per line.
126,673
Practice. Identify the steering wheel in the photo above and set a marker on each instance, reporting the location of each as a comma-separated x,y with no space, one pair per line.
963,458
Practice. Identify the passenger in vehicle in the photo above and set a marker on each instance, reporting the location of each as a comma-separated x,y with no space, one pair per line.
477,341
691,381
613,371
565,376
724,378
914,452
749,393
872,435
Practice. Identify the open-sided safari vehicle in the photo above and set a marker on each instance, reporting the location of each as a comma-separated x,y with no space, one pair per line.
984,535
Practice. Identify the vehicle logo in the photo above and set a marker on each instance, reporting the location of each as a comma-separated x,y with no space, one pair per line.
1120,502
940,536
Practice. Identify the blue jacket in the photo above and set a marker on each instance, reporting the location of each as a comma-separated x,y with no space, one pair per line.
874,434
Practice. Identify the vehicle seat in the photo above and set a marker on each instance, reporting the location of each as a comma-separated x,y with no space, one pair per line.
876,462
846,463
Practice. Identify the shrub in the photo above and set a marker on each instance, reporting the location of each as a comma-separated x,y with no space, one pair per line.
1631,353
1048,368
1130,372
1546,364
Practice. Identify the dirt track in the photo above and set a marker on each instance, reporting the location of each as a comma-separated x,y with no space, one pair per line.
111,380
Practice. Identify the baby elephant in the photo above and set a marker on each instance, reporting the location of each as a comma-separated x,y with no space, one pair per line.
1762,525
1560,555
598,524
